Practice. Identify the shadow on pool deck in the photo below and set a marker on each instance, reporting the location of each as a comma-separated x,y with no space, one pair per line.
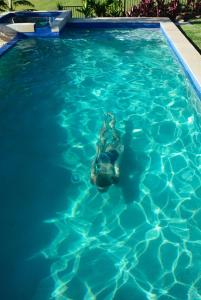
131,168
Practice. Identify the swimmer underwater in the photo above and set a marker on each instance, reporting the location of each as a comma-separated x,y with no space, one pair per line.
105,166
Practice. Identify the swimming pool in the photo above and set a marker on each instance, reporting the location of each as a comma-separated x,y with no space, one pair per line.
32,24
40,19
141,240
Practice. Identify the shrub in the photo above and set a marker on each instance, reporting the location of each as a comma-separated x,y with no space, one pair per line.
86,9
59,6
194,7
3,5
161,8
101,8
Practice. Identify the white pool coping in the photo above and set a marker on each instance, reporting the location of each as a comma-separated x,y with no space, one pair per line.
121,20
187,54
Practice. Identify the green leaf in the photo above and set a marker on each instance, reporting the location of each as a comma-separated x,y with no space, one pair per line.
23,2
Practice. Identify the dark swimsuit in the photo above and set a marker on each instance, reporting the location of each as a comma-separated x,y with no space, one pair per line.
107,157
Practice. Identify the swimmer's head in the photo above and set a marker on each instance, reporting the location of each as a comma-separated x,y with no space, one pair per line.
103,181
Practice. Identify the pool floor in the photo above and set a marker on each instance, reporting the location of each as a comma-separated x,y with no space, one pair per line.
141,239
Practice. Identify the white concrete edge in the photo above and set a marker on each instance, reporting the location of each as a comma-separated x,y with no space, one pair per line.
22,27
121,19
41,11
61,20
188,55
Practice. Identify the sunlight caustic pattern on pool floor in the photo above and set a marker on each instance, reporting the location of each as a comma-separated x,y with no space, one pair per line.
142,239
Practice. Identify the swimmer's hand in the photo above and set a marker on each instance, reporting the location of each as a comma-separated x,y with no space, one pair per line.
110,114
120,149
112,119
117,172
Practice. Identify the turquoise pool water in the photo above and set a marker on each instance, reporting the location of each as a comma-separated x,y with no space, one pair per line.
65,240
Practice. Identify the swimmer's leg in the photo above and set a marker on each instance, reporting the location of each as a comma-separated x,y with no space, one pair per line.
101,145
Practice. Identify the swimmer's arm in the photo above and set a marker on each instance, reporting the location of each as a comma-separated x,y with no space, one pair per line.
93,165
112,121
116,168
93,171
102,137
116,135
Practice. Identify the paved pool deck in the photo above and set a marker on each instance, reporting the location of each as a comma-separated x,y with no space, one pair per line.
2,42
8,37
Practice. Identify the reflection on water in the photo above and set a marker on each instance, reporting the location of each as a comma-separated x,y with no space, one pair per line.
141,240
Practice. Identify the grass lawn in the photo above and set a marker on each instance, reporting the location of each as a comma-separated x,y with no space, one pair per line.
193,31
50,4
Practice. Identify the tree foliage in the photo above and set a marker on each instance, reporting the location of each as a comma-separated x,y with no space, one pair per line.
101,8
12,4
3,5
163,8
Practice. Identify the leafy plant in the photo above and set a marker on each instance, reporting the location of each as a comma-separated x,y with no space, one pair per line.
3,5
87,8
194,6
161,8
13,3
59,6
156,8
146,8
115,8
101,8
173,9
